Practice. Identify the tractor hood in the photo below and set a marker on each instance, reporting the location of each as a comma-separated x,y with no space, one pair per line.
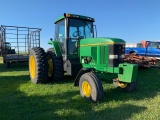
100,41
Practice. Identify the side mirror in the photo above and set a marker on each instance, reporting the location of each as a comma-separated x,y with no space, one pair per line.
51,39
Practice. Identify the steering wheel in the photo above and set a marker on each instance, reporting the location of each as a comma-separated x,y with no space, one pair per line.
76,33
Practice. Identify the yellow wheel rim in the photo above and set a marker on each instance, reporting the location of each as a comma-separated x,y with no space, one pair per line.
32,66
86,89
50,66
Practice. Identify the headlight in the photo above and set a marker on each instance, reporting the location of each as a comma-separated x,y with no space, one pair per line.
113,56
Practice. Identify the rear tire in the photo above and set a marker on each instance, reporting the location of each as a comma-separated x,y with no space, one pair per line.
91,87
38,66
55,69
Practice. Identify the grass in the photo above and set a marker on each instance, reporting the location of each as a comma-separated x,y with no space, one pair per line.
22,100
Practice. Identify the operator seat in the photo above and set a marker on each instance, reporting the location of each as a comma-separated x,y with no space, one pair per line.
76,43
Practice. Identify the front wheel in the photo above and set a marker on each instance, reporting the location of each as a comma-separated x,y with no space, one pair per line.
91,87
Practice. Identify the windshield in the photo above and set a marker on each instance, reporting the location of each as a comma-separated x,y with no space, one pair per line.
7,45
154,44
80,28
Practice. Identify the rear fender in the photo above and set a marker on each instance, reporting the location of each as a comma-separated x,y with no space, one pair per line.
56,48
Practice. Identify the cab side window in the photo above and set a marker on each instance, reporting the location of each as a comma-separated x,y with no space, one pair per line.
153,45
60,34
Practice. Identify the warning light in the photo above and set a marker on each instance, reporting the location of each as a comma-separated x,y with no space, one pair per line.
68,15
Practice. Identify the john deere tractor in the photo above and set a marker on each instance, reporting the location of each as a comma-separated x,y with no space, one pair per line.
76,51
6,48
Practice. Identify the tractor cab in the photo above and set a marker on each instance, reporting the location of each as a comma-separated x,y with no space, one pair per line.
69,29
7,46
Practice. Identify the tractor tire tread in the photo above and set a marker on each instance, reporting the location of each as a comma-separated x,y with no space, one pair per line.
96,87
41,65
58,71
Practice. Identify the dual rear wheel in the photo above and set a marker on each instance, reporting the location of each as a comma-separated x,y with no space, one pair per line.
45,67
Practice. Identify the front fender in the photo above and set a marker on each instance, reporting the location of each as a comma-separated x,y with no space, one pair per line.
81,72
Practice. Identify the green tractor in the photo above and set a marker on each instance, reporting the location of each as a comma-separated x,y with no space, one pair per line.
76,51
6,49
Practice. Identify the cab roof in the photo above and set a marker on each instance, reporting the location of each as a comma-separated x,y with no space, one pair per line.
66,15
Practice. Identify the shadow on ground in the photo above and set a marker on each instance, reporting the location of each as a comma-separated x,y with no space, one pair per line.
14,67
67,105
17,105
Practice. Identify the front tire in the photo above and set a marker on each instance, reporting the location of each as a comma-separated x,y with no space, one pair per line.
91,87
38,66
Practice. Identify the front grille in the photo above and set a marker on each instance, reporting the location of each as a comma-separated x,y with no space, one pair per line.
94,53
116,49
103,54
